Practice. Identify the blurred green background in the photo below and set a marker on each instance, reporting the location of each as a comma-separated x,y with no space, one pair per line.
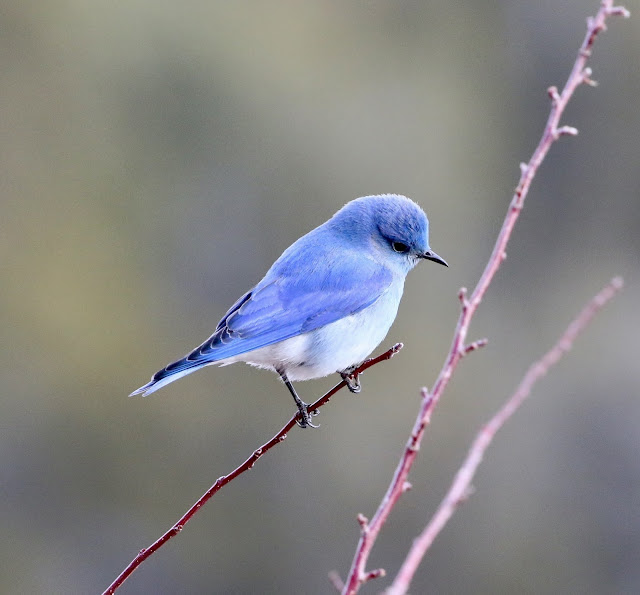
158,157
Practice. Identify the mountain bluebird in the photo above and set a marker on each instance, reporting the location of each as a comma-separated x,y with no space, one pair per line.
325,304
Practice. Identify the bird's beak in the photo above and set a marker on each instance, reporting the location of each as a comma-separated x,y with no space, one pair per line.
431,255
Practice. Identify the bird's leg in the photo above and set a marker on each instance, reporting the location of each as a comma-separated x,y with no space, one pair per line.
305,419
353,381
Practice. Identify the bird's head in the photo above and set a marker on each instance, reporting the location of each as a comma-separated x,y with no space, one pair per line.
396,225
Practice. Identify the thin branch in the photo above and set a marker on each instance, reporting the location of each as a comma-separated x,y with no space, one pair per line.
336,581
144,553
461,486
551,133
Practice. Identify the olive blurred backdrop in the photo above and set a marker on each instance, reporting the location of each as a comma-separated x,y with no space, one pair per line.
156,159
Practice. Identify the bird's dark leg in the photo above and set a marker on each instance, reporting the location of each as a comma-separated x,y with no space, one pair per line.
353,382
305,419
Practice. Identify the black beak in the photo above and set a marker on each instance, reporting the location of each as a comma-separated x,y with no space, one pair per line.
431,255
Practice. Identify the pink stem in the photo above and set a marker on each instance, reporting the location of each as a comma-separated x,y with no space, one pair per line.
579,75
461,486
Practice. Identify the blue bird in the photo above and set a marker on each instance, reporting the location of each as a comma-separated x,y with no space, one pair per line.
325,304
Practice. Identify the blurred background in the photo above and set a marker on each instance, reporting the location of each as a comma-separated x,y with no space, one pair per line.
158,157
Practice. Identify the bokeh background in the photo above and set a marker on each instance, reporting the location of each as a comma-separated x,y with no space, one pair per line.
158,157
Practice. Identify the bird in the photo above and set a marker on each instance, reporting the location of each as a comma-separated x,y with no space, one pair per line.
325,304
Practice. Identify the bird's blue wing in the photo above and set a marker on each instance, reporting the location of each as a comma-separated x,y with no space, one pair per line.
285,304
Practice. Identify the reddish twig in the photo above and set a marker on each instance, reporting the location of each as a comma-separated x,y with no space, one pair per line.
552,132
461,486
248,464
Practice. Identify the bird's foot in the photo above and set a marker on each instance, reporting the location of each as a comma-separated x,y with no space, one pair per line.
305,416
353,381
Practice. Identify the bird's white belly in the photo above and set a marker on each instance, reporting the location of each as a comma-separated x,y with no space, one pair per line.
333,347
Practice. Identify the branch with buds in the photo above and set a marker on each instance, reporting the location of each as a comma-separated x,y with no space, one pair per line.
580,74
248,464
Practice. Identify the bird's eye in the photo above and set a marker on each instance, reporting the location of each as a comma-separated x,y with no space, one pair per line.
399,247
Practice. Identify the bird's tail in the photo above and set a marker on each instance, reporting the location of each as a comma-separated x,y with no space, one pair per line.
172,372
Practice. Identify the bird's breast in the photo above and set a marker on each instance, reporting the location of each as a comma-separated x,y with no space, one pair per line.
345,342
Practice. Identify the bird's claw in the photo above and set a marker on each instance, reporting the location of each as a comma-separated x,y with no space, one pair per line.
352,381
305,417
